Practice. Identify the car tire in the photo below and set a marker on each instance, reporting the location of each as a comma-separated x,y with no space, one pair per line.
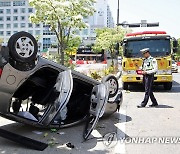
168,86
125,85
112,84
23,47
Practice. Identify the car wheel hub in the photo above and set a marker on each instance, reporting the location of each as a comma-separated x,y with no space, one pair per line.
112,86
24,47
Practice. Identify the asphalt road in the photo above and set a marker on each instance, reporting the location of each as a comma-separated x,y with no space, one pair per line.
158,124
130,123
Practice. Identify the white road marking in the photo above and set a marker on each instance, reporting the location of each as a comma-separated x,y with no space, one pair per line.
121,128
176,86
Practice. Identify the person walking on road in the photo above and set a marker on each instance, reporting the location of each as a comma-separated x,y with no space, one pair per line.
149,68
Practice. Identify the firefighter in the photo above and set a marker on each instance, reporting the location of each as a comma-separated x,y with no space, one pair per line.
149,68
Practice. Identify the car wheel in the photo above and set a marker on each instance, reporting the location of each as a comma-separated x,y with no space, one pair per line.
23,47
125,86
113,84
168,86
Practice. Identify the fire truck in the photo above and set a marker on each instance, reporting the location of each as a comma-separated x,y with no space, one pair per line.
161,48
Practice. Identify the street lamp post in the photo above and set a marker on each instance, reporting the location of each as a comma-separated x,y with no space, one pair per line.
118,14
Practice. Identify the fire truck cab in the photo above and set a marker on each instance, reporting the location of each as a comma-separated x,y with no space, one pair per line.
160,47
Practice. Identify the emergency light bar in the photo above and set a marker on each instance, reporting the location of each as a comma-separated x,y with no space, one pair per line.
146,33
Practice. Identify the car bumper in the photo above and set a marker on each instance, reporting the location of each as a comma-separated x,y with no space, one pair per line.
138,78
175,69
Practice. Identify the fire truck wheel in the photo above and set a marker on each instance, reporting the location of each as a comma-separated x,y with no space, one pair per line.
168,86
125,86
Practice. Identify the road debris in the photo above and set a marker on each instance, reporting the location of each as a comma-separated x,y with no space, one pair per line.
52,142
53,130
100,127
61,133
69,145
127,91
37,132
46,134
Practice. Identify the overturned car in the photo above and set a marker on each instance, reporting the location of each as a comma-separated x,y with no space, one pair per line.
39,92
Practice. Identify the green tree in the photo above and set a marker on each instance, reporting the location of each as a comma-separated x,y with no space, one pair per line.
74,42
1,40
63,16
178,52
176,55
107,39
71,49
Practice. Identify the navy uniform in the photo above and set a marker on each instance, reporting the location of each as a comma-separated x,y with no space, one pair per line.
150,67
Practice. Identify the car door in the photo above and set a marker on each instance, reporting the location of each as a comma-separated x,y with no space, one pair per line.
63,88
99,98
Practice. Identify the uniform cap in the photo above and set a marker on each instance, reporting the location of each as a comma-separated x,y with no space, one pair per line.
144,50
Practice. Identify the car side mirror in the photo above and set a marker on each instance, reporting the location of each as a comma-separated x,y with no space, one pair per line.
175,43
175,46
174,50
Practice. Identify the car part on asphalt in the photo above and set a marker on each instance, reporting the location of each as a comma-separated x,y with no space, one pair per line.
70,145
25,141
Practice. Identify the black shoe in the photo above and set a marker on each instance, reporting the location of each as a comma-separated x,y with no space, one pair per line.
153,105
140,106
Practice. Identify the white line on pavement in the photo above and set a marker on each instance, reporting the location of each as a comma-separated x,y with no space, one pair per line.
121,128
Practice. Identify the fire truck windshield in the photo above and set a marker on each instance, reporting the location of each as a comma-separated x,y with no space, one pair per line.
158,47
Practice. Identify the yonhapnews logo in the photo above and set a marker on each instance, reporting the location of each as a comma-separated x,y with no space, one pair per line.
110,139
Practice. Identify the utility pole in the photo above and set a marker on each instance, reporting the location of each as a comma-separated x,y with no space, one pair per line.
118,14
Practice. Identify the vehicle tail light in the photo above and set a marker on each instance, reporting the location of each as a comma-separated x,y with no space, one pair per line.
139,72
0,72
104,62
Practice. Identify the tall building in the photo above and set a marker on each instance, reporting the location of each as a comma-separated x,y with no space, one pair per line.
14,17
101,18
110,20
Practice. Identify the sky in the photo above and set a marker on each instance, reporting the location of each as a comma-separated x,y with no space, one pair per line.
166,12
